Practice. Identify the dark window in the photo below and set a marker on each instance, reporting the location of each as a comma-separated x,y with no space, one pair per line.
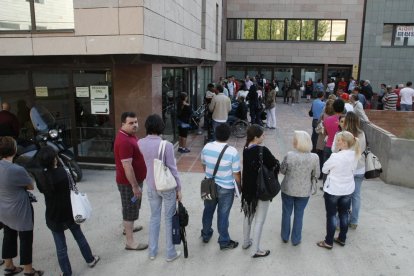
398,35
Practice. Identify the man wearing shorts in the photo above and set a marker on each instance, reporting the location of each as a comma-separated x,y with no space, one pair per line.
130,173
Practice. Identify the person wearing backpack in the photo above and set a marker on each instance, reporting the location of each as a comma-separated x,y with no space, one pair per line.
299,166
251,205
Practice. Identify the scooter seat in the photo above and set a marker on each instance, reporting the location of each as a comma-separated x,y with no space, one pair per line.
23,149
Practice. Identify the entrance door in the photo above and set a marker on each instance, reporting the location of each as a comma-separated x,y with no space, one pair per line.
95,129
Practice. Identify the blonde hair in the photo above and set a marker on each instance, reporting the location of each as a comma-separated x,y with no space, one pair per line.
350,140
303,142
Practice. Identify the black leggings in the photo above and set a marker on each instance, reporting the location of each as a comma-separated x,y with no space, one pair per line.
9,250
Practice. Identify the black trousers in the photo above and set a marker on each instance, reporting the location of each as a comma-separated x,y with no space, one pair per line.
9,250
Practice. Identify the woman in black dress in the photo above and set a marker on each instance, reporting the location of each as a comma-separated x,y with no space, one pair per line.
252,206
184,112
55,187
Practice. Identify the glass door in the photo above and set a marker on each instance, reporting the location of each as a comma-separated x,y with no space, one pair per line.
95,129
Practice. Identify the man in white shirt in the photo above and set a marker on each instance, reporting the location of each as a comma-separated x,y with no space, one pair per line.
248,83
407,95
231,86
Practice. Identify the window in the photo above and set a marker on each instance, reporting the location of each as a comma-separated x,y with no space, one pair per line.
307,31
36,15
217,27
263,29
203,24
293,30
398,35
240,29
277,30
287,30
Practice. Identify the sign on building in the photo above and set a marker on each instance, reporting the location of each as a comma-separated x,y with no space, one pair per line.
405,31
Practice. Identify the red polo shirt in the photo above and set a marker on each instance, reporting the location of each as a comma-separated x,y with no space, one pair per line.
126,147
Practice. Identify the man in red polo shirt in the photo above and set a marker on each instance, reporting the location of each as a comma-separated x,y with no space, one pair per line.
130,174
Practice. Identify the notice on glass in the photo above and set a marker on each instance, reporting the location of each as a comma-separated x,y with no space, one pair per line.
99,92
99,107
405,31
82,92
41,91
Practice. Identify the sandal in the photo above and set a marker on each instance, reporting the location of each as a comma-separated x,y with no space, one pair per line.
261,254
13,271
338,241
35,273
136,229
324,245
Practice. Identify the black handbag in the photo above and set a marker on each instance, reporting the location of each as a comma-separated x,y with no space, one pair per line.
208,189
268,185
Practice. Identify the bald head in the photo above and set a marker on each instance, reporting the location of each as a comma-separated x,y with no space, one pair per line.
5,106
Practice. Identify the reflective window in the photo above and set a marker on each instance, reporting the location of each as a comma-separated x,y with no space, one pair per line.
293,30
307,31
54,15
263,29
338,30
47,15
15,16
277,30
387,35
240,29
324,30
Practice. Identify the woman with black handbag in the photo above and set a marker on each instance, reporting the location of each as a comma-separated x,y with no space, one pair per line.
251,205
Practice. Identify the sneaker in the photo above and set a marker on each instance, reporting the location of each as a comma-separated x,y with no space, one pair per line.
94,262
176,257
152,258
231,245
353,226
186,150
181,150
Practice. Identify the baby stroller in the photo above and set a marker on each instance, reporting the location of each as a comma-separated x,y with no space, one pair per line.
238,118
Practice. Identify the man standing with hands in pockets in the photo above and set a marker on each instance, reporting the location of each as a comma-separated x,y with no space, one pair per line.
130,174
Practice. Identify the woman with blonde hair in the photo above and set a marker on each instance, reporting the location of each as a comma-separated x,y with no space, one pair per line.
339,186
299,167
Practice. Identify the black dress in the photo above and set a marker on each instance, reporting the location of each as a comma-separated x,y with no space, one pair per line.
249,175
58,205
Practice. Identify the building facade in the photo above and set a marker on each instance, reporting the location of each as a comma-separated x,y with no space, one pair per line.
317,39
89,61
388,43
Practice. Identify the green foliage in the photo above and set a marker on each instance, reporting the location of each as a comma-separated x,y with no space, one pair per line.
248,32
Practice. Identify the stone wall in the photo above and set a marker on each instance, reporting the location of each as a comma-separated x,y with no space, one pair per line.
395,154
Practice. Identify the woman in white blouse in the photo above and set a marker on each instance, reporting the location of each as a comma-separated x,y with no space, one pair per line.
339,186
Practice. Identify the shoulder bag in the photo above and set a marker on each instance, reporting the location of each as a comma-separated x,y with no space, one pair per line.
208,185
373,167
268,185
163,178
81,207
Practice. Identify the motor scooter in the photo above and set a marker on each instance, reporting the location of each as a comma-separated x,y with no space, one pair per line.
47,133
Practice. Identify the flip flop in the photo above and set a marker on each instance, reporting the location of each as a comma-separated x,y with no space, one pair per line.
35,273
139,247
338,241
261,254
14,271
324,245
136,229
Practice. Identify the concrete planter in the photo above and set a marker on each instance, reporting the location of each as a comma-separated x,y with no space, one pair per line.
395,154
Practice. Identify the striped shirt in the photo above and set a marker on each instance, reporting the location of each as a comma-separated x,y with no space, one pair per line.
390,101
229,164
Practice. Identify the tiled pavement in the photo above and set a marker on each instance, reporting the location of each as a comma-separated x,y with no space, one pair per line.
279,141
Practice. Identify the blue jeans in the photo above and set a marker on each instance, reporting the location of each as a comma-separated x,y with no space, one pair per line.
298,204
62,250
356,198
224,203
216,124
155,200
333,204
406,107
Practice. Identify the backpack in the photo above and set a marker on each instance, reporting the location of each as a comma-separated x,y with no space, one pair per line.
182,215
268,185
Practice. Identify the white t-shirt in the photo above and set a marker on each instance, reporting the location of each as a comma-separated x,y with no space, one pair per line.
349,107
331,86
407,95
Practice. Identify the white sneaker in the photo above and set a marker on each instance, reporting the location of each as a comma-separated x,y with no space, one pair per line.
94,262
176,257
